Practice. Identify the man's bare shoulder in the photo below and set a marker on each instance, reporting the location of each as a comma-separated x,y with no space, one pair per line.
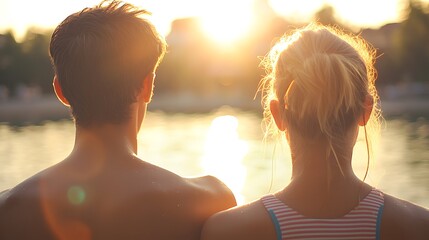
203,189
4,198
212,187
3,195
28,192
20,208
13,196
179,203
404,220
203,195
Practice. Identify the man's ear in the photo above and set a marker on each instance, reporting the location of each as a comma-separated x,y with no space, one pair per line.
147,88
368,105
277,112
59,92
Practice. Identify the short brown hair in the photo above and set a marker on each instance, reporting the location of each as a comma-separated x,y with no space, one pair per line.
101,56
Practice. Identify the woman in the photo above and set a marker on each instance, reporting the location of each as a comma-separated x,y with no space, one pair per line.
318,92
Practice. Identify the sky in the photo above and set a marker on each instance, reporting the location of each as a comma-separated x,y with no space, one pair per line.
232,16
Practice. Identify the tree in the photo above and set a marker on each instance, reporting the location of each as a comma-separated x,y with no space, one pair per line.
10,57
411,44
35,64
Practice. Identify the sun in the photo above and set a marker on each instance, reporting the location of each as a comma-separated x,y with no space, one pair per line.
227,21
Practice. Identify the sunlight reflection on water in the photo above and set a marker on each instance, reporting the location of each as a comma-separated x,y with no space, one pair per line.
227,143
224,152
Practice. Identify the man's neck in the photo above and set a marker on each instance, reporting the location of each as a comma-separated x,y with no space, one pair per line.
108,140
111,141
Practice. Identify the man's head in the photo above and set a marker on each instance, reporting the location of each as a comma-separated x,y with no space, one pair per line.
101,56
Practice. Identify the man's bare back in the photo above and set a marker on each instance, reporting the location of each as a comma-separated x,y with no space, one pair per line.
135,200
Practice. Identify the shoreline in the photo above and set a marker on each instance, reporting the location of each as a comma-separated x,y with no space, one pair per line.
47,107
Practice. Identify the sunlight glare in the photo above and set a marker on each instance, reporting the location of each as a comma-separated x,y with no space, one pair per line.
223,154
364,13
226,21
296,10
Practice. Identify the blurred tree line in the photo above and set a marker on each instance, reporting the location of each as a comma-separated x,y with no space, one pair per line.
25,63
411,44
197,65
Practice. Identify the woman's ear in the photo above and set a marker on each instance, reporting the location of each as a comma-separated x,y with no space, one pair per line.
146,92
368,105
59,92
277,112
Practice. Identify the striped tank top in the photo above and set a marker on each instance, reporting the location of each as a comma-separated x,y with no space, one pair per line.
363,222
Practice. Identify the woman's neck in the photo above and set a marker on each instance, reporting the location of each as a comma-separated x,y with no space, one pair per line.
321,177
319,164
317,158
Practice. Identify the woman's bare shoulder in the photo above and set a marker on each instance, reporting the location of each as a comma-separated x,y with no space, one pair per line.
249,221
404,220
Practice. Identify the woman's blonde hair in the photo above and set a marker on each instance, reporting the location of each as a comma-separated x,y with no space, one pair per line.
321,76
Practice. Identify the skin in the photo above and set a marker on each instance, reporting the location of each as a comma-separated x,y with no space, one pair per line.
400,219
102,190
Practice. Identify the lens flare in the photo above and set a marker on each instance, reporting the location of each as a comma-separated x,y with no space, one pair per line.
76,195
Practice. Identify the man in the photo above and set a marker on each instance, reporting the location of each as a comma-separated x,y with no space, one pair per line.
105,59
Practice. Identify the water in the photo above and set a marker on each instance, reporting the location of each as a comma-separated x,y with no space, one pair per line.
227,143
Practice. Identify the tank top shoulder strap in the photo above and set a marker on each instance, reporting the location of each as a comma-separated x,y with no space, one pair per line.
372,205
273,205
